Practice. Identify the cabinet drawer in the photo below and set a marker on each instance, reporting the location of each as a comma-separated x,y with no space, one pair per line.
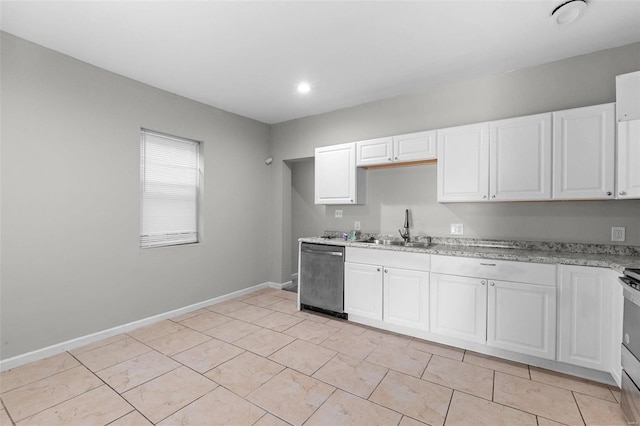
506,270
390,258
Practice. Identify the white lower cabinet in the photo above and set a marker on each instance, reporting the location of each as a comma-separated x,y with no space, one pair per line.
406,298
484,306
458,307
363,290
387,286
586,298
506,305
522,318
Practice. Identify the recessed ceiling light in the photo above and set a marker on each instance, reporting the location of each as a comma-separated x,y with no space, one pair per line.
568,11
304,87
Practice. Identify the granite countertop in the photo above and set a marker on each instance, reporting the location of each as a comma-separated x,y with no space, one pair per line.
599,255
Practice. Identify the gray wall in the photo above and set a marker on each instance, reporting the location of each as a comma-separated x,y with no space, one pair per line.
71,264
574,82
307,218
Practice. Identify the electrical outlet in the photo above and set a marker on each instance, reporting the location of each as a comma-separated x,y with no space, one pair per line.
617,233
339,213
356,225
457,229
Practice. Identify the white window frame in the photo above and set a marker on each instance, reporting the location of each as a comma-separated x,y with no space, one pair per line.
169,237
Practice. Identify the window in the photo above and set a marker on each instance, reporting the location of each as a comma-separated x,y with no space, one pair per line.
169,190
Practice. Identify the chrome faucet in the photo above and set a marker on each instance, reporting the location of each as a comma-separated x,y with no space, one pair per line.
405,235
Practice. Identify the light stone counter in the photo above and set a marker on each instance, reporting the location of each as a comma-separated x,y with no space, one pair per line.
615,257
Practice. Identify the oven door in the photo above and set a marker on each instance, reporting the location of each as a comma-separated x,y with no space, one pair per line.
630,402
631,322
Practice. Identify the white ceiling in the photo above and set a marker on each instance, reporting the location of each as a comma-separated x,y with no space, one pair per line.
247,57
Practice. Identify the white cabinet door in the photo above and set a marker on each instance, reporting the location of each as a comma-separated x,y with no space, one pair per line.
415,146
585,317
463,163
628,96
615,341
374,152
520,158
629,159
583,153
406,298
522,318
335,174
458,307
363,290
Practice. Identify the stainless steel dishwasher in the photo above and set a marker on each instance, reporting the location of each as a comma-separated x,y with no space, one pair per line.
321,278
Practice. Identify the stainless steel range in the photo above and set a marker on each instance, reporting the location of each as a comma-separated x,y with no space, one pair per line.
631,346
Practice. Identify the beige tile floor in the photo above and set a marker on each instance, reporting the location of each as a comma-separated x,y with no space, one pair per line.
256,360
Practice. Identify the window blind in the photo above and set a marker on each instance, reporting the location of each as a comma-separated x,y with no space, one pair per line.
169,180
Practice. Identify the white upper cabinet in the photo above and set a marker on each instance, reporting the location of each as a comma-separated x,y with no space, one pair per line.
397,149
520,158
628,96
337,180
375,151
629,159
584,148
463,163
504,160
415,146
628,117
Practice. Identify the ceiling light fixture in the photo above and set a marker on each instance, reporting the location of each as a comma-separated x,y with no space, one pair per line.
304,87
568,11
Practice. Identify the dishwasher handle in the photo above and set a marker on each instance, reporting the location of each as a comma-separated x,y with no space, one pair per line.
328,253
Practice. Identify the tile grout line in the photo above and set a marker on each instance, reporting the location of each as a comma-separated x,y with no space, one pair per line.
73,397
584,422
573,390
7,411
376,388
493,387
453,392
54,405
335,389
520,409
28,383
109,386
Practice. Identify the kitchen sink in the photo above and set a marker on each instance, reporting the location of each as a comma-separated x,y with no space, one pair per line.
416,244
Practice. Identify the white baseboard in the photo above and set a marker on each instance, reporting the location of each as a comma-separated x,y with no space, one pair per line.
58,348
277,285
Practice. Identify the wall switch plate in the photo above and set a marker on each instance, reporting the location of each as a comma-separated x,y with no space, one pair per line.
617,233
338,213
457,229
356,225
